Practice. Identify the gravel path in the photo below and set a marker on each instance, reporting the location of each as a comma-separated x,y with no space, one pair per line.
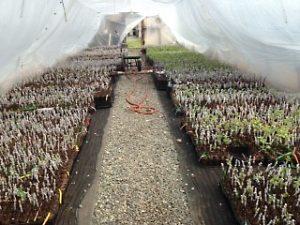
138,172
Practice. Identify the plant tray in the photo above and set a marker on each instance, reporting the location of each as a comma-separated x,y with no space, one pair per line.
239,152
178,113
160,81
36,215
237,216
103,98
114,77
169,90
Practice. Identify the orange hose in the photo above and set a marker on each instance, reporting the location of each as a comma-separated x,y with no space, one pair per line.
139,107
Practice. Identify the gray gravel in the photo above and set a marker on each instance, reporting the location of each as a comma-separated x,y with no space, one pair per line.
138,174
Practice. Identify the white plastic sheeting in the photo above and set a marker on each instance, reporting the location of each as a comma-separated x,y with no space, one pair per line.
260,36
114,28
157,33
36,33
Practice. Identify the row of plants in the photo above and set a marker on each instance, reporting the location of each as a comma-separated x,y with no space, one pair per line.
219,78
263,195
43,122
219,119
35,148
224,110
66,75
62,85
105,52
253,130
110,56
179,58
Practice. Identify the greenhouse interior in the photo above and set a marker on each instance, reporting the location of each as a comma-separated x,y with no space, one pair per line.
117,112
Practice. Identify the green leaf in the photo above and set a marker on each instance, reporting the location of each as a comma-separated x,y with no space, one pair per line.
29,108
21,194
204,155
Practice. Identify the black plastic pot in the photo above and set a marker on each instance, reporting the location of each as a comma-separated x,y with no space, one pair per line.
160,80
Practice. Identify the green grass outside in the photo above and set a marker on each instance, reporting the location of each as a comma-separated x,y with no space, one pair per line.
134,42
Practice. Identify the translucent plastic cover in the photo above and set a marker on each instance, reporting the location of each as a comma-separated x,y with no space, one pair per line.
258,36
114,28
35,34
157,33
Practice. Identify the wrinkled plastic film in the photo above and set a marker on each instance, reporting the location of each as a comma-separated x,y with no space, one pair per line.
35,34
114,28
257,36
